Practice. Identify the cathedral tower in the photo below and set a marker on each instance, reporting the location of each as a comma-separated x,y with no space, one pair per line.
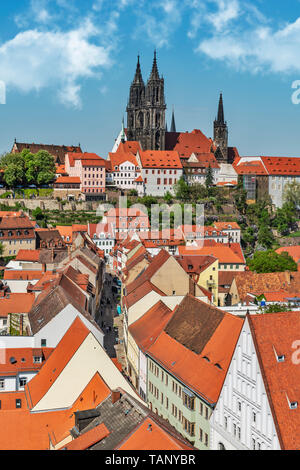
221,134
146,110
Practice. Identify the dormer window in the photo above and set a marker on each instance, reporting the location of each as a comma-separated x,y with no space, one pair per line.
281,358
294,405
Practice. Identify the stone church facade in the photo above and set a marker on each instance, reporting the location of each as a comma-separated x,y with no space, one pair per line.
146,121
146,110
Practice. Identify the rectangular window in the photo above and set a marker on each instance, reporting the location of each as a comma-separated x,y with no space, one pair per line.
200,435
22,381
2,384
206,440
189,402
18,403
43,343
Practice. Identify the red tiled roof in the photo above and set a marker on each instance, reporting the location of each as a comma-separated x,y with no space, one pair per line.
160,159
140,292
248,282
129,146
67,180
87,159
203,370
28,255
186,143
118,158
16,303
281,379
38,429
15,360
293,251
225,253
227,226
282,165
254,167
150,325
156,263
157,439
66,348
87,439
22,275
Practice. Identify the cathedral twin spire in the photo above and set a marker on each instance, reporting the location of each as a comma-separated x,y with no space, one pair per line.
146,109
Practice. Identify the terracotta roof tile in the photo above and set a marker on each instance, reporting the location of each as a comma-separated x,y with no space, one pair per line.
271,332
160,159
16,303
203,337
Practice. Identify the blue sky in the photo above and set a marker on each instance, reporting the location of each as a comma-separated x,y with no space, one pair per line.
68,64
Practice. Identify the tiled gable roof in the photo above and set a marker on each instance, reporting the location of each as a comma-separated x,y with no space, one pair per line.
156,263
186,143
249,282
197,345
149,326
66,348
275,334
160,159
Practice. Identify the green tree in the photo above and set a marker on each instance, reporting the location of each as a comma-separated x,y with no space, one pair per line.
209,178
182,190
27,168
1,249
291,194
168,197
284,219
276,308
13,175
265,236
269,262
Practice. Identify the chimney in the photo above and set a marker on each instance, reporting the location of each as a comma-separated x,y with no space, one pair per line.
288,277
192,287
115,396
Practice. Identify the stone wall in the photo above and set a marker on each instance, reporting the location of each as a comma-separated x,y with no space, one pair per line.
51,204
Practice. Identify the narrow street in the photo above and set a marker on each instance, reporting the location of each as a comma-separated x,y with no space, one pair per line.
106,314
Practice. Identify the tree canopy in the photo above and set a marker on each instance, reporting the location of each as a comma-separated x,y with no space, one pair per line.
26,168
291,194
270,262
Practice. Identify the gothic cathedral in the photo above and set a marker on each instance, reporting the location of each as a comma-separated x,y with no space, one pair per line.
146,110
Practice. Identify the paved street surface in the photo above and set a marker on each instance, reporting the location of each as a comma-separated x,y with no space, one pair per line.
107,312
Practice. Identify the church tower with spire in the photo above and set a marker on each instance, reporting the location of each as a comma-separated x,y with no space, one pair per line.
221,134
146,110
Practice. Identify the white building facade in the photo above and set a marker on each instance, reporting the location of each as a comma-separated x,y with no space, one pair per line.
242,419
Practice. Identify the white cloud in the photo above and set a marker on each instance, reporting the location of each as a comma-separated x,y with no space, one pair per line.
158,21
228,10
253,46
34,60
